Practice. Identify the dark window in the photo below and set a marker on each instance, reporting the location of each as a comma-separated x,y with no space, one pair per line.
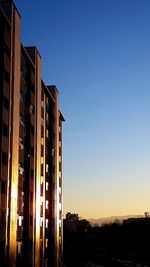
7,76
32,88
31,220
41,169
7,31
5,129
3,217
42,112
53,135
30,245
24,73
7,50
32,151
42,95
53,168
59,136
47,151
42,131
32,173
60,231
3,187
32,111
59,166
31,196
6,103
4,158
32,130
53,119
42,151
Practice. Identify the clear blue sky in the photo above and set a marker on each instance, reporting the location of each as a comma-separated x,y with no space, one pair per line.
98,54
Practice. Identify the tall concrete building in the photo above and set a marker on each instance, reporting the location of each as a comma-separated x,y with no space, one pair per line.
30,154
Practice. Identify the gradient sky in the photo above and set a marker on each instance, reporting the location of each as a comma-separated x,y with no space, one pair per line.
97,52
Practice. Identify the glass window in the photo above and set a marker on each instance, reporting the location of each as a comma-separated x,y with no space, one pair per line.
47,204
20,220
46,223
47,184
5,129
6,103
4,158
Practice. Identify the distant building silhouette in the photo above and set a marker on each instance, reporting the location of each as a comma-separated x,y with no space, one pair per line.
139,221
73,223
30,154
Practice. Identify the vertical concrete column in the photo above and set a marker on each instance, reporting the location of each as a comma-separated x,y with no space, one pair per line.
56,178
38,158
44,181
15,137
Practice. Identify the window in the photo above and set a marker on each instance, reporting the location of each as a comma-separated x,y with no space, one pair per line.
3,187
41,221
19,247
42,121
32,151
31,196
42,131
20,220
47,184
53,135
21,144
47,133
42,112
53,152
32,88
7,76
5,129
46,223
31,220
42,103
47,204
32,173
42,179
21,170
42,151
59,166
7,50
60,231
31,109
32,129
41,169
47,167
4,158
59,198
41,200
24,73
53,169
6,103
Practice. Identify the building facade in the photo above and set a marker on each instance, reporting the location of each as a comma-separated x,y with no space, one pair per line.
31,226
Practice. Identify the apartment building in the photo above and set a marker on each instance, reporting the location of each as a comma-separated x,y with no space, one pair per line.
30,154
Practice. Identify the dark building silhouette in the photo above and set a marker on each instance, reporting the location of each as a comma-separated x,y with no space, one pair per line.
138,221
30,154
72,223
